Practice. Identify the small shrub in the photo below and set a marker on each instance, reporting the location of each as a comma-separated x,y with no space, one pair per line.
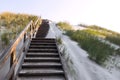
13,24
114,39
64,25
111,36
118,51
59,41
5,39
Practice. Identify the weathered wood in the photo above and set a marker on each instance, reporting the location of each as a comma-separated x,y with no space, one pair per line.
11,51
42,60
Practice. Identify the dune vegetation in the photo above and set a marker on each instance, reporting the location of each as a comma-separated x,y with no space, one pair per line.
97,50
109,35
11,25
64,25
88,40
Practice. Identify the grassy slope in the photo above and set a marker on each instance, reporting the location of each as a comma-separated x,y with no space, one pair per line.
13,24
88,40
108,34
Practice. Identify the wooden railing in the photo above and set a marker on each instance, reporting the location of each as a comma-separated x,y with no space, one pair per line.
11,56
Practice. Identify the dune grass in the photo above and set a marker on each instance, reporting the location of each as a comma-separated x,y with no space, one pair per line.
88,40
109,35
64,25
114,39
97,50
11,25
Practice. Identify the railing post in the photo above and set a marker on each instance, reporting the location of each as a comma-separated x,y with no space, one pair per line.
30,31
24,39
12,61
33,29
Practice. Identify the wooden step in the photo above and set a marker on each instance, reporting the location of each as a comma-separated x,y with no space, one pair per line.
41,78
44,44
43,50
42,41
40,73
41,59
42,47
41,65
41,55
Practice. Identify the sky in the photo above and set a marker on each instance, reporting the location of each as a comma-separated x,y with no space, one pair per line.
104,13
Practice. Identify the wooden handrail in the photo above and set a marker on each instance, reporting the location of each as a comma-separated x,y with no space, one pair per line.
11,51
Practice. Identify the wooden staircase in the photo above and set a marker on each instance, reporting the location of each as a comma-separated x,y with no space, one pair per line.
42,61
